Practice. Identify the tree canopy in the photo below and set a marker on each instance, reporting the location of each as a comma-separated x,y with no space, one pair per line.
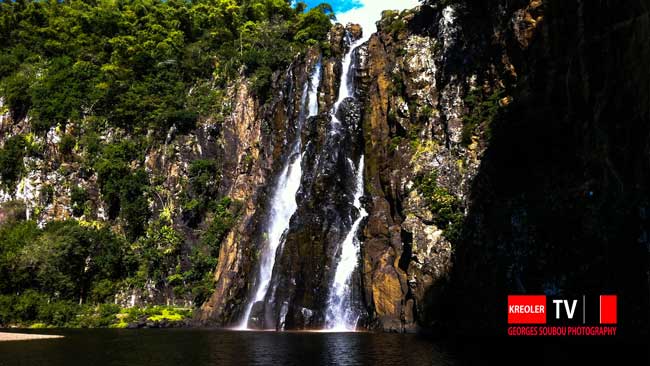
132,62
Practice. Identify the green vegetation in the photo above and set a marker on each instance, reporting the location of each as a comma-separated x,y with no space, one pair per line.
62,261
133,62
204,180
78,198
66,274
394,24
35,310
446,208
206,253
124,188
11,162
67,145
483,110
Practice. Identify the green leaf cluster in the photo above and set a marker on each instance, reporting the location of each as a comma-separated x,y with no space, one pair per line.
446,208
482,111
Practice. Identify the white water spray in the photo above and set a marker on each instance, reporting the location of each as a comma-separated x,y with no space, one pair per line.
283,203
346,86
340,315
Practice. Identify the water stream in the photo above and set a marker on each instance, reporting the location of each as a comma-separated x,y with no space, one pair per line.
283,202
340,314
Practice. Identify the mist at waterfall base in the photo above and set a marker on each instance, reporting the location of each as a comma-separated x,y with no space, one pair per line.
202,347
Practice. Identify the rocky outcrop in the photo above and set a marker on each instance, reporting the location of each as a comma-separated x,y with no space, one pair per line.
242,180
412,128
251,176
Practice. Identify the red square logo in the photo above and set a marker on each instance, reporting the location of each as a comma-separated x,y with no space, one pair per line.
526,309
607,309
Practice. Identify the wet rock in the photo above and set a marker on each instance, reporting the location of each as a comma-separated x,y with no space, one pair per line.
354,30
256,320
349,113
338,46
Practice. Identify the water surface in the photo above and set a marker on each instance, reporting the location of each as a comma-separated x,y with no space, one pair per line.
203,347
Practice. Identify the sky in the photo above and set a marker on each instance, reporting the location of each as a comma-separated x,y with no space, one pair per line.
364,12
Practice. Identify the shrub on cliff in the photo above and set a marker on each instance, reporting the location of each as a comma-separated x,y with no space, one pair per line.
11,161
446,209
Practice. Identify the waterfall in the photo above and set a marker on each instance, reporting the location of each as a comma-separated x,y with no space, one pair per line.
283,202
346,85
340,315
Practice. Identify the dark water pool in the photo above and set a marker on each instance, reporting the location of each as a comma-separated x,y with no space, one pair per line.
203,347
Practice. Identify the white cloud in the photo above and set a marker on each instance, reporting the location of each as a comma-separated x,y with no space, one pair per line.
370,12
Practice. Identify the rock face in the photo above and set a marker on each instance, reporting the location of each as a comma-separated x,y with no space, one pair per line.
559,205
303,268
412,129
250,183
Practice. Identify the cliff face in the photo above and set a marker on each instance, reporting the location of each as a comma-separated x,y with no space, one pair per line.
526,166
559,203
416,165
240,249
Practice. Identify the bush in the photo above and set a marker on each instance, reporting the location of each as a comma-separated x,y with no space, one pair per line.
222,220
12,211
67,144
12,168
14,237
57,313
15,89
446,208
124,190
204,180
482,111
78,198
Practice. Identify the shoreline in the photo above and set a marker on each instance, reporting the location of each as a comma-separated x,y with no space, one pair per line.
8,337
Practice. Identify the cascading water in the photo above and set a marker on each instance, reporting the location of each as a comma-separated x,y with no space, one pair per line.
283,203
340,314
346,86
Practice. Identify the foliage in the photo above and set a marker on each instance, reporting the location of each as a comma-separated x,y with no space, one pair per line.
133,62
13,211
11,162
446,208
78,198
483,110
167,314
46,195
67,144
37,310
204,180
13,238
158,254
204,256
124,189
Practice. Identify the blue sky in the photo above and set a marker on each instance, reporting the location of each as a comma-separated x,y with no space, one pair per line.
340,6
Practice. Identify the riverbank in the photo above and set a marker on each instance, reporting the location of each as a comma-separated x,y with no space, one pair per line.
6,337
37,314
